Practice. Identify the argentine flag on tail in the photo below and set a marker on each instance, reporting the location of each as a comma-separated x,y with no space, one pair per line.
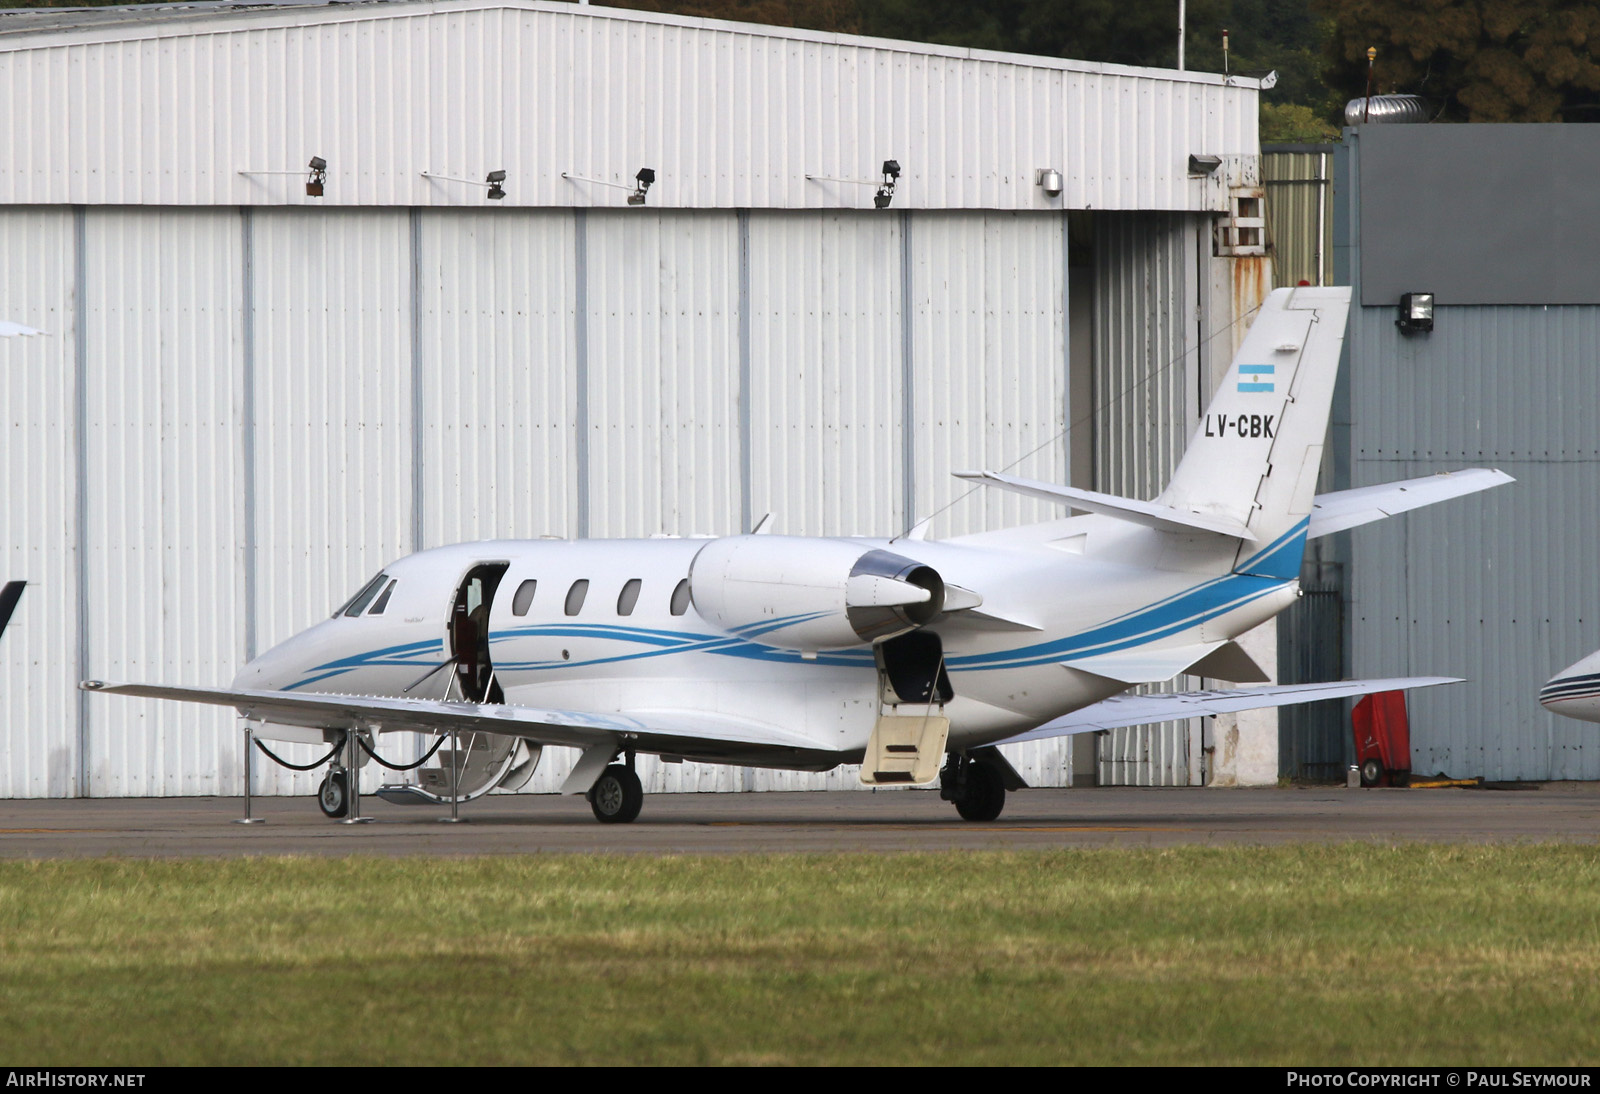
1256,377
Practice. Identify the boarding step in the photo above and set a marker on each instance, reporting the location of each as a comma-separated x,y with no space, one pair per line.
905,749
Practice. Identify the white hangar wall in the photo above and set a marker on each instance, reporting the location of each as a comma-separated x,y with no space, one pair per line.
169,111
251,399
238,415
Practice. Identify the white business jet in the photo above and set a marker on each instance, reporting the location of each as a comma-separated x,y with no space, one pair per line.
909,656
1575,690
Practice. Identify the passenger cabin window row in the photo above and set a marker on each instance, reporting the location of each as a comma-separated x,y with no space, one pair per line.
627,600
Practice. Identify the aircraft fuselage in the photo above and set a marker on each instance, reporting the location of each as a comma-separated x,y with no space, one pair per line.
632,639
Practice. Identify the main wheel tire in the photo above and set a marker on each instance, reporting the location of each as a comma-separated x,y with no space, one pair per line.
616,796
1371,773
333,796
985,795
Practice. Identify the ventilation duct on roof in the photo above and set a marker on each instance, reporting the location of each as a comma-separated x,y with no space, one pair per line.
1388,109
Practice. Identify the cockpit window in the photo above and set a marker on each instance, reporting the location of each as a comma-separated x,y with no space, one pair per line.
383,601
356,603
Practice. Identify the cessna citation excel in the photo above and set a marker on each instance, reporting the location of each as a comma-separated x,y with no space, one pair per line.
909,656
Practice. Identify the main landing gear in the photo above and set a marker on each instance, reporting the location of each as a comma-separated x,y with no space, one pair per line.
978,789
616,797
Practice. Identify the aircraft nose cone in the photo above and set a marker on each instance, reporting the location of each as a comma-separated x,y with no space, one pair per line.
280,667
1574,692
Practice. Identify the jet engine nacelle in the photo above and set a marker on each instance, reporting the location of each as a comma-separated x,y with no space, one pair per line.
812,594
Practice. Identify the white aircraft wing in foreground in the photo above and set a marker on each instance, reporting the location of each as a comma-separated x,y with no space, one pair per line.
655,731
1134,710
909,656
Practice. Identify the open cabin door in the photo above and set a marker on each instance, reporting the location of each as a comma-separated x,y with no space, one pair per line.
477,762
469,634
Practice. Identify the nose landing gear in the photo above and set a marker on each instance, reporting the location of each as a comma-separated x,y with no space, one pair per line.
333,796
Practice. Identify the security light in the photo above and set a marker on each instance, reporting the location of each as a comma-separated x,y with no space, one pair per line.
885,194
1049,180
1204,165
1416,313
645,178
496,191
319,176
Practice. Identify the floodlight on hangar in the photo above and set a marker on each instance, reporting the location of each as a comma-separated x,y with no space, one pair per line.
319,177
1416,313
494,182
316,182
645,179
883,195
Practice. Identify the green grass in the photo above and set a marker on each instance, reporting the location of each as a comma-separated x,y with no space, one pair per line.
1309,954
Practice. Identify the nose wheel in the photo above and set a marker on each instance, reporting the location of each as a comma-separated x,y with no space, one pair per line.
333,796
616,796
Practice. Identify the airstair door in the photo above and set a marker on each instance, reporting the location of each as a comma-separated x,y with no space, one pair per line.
474,678
907,743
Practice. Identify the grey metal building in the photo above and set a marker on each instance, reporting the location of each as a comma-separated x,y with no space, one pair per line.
263,379
1502,224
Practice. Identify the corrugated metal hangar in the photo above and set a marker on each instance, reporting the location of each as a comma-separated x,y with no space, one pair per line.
252,395
1499,223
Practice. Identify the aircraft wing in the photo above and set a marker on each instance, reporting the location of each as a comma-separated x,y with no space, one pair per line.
1350,508
1133,710
651,731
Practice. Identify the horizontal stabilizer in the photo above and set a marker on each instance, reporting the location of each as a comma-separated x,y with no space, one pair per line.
1148,513
1133,710
1351,508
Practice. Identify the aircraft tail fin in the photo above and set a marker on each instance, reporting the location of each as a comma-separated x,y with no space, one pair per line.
1255,455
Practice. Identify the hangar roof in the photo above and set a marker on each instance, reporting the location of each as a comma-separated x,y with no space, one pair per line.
200,103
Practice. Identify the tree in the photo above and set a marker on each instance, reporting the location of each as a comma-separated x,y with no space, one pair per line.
1477,60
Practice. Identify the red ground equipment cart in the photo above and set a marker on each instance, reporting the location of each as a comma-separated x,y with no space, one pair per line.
1383,739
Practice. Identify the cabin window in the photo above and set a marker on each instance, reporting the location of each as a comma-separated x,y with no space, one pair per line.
383,601
680,597
629,597
575,595
524,598
358,603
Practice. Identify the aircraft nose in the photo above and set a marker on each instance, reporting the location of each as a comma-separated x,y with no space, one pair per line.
1574,692
280,667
